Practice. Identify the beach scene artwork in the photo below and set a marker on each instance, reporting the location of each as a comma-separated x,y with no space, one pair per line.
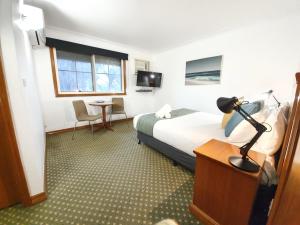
203,71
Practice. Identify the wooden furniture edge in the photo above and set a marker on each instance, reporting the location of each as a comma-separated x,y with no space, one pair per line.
22,187
286,141
256,175
290,147
203,153
84,126
202,216
298,78
53,68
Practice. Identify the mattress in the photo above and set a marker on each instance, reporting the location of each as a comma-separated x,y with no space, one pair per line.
189,131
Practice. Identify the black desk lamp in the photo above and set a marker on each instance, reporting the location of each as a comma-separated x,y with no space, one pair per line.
226,105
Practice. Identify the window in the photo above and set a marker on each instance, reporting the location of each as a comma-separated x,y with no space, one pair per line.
79,74
108,74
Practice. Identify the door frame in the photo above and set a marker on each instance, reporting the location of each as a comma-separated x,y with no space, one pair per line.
17,171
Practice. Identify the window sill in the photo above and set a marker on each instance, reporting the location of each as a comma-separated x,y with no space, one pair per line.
87,94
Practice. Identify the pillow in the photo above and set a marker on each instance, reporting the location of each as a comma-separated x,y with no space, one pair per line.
164,112
226,118
270,142
244,131
250,108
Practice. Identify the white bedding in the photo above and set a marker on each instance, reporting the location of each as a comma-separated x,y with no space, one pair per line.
189,131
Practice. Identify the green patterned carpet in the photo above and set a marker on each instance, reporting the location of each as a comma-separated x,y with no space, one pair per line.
107,179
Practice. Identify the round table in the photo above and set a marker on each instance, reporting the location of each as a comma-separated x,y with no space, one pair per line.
103,106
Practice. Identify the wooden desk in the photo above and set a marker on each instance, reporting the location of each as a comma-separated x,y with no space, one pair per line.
103,106
223,194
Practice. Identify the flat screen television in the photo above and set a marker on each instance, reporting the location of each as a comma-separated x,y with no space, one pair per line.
148,79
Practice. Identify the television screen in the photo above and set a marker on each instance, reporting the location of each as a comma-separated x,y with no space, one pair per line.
148,79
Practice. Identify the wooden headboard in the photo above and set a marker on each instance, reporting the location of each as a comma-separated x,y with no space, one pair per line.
286,202
291,132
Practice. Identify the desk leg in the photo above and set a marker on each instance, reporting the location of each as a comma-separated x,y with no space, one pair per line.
105,124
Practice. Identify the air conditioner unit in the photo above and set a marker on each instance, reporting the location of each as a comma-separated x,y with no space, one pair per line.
32,20
142,65
37,38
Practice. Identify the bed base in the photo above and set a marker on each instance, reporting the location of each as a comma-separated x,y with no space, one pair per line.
178,156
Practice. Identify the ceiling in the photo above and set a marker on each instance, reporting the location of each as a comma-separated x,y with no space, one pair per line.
157,25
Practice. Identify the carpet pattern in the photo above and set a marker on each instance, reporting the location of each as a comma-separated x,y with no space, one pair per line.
107,179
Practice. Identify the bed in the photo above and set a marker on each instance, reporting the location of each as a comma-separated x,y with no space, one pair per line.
178,137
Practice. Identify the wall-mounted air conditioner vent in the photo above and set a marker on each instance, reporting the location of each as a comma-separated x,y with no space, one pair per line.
37,38
141,65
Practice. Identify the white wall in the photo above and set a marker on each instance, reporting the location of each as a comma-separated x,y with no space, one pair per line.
23,96
58,111
255,59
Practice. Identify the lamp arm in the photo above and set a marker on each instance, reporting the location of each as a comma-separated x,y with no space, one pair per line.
260,128
246,147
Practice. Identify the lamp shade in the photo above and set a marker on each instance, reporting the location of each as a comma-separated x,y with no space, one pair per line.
226,105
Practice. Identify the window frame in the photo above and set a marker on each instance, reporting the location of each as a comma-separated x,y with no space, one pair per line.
55,77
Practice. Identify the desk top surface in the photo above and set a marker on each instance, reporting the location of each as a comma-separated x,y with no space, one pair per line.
220,151
100,103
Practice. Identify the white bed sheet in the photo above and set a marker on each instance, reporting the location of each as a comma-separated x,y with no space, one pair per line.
189,131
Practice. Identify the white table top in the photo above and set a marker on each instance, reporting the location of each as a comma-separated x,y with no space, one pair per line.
101,103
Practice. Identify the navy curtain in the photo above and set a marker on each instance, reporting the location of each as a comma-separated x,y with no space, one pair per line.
83,49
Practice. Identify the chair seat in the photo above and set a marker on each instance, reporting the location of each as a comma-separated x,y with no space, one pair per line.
89,117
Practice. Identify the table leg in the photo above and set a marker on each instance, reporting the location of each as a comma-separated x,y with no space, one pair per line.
105,124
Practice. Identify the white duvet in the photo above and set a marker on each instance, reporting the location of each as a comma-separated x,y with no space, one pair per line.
189,131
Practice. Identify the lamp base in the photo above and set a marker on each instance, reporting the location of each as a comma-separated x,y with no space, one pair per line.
243,164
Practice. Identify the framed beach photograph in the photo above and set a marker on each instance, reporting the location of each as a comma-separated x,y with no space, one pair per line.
203,71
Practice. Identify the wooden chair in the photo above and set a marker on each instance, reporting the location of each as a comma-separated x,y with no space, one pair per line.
117,108
82,115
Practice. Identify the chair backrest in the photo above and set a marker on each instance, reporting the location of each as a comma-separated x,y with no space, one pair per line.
79,108
118,104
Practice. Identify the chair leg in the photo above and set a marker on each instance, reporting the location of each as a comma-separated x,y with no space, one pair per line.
126,119
110,119
92,124
74,131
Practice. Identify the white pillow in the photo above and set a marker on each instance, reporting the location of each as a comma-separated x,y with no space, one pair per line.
164,112
270,142
244,131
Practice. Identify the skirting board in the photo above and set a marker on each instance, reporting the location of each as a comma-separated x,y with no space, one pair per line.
38,198
35,199
84,126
